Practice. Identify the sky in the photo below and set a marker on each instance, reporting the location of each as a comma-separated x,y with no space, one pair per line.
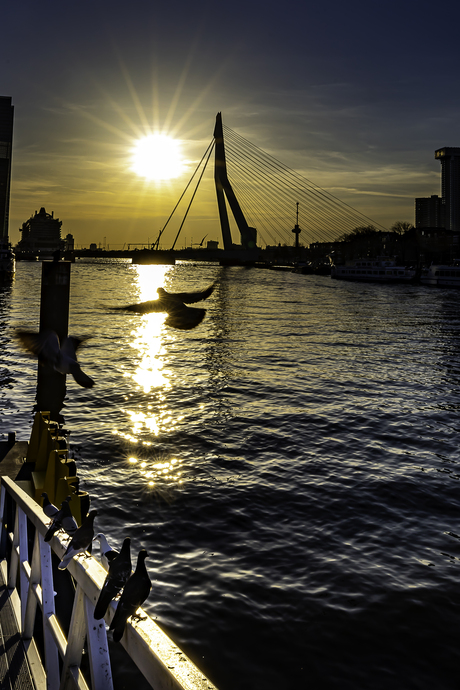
354,96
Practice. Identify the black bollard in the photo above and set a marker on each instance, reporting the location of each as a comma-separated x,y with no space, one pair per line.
54,316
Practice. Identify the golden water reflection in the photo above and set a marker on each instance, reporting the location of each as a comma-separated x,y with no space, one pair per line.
150,373
155,471
149,415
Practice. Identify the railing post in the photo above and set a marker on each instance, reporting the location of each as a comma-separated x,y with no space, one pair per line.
34,582
13,569
76,639
48,610
3,539
98,650
23,560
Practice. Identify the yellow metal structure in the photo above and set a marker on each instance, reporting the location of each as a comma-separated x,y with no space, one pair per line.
54,472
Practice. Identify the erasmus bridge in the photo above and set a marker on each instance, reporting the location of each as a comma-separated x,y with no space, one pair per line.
264,196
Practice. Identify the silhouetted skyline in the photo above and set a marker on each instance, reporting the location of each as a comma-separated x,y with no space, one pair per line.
355,97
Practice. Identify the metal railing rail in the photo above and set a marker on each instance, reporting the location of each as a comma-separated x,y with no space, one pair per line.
31,585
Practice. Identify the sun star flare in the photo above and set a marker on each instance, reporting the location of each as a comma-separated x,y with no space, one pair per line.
157,157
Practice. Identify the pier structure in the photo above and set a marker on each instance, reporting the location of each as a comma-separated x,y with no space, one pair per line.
45,648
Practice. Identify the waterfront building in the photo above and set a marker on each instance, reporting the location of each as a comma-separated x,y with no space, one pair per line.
6,145
429,212
69,241
41,233
449,157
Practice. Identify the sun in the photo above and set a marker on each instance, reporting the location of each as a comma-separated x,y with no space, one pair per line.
157,157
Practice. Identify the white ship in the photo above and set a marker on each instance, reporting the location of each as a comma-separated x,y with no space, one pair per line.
380,270
441,275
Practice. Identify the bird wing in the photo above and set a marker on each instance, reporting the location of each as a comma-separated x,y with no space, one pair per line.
143,307
43,345
169,300
71,344
191,297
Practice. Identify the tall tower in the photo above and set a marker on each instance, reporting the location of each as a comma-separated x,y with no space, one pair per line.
223,187
6,145
449,156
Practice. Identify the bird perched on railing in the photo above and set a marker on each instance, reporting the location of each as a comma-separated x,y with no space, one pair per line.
61,357
107,552
49,508
68,522
135,592
81,540
56,523
174,304
119,572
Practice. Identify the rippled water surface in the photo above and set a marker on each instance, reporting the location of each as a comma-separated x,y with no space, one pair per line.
291,466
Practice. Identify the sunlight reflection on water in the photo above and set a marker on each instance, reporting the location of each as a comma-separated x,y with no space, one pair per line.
151,417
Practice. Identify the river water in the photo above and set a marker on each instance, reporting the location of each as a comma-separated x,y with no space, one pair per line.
291,465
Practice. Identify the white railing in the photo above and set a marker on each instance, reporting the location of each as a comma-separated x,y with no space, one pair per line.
162,663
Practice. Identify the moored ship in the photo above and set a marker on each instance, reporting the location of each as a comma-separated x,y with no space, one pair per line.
441,275
381,270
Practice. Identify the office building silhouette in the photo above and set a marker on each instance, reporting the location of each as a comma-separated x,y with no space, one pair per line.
449,157
6,145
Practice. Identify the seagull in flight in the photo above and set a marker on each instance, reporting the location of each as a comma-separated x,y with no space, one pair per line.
61,357
174,304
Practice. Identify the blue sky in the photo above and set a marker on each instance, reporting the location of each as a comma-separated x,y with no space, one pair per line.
354,96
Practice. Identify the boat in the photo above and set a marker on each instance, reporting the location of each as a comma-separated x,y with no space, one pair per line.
7,262
380,270
441,275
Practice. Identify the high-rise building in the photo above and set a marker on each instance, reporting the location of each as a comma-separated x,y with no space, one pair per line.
429,212
449,157
6,145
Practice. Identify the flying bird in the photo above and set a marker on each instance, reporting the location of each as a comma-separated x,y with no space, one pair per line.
61,357
49,508
174,304
119,572
107,552
81,540
134,594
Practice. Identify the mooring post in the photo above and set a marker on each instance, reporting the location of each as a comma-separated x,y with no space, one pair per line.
54,316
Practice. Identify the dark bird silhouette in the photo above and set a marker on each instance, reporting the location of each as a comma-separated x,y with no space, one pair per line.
174,304
134,594
107,553
119,572
56,523
68,522
61,357
81,540
49,508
